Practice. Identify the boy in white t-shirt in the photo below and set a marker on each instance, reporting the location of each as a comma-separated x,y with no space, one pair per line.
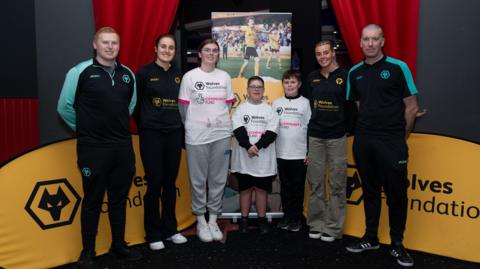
255,127
291,145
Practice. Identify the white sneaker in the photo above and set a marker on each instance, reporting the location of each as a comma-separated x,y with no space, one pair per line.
203,232
157,245
215,231
177,238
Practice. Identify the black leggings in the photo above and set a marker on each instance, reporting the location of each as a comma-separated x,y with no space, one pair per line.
161,153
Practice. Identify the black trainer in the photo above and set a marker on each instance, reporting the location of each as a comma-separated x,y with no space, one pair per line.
362,244
87,260
263,225
283,224
294,226
243,225
124,252
403,258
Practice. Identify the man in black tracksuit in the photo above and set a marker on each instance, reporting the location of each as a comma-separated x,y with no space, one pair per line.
97,99
385,93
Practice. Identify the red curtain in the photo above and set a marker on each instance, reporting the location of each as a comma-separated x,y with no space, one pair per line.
398,18
138,22
19,126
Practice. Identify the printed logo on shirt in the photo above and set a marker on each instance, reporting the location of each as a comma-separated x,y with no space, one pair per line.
86,172
177,80
154,79
279,110
199,99
165,103
126,78
325,105
199,85
157,102
385,74
339,81
94,76
246,119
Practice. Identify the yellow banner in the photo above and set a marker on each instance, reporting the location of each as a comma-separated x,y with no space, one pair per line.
40,194
444,201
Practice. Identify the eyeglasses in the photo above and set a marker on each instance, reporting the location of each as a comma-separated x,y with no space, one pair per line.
207,50
253,87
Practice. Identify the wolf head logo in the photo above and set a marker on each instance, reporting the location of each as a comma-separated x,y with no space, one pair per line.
54,203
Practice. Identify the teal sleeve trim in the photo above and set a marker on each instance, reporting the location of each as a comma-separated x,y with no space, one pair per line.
348,78
67,96
406,73
133,101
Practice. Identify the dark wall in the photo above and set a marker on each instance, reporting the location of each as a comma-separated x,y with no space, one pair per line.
447,68
64,31
306,30
447,55
18,75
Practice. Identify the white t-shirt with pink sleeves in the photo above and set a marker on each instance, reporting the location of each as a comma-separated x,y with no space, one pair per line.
207,95
294,116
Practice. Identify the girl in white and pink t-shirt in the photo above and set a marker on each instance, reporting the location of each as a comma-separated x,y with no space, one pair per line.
204,101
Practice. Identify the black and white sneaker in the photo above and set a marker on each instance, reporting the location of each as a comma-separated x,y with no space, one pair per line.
361,245
283,224
327,238
294,226
403,258
314,234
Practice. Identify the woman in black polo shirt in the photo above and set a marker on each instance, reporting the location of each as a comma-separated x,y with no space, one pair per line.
160,129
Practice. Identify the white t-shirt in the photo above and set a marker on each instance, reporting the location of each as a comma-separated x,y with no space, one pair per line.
257,119
207,95
294,116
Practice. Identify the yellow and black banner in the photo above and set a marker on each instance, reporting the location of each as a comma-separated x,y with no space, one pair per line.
40,197
443,198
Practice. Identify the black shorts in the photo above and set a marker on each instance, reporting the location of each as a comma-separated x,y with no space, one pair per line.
246,182
250,52
274,50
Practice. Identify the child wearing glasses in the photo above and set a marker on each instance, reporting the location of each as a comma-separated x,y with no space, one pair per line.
294,113
255,128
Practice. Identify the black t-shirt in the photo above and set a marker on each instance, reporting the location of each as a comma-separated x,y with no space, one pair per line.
380,88
157,91
327,101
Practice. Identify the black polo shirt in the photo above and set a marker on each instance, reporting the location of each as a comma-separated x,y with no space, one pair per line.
327,101
157,106
380,88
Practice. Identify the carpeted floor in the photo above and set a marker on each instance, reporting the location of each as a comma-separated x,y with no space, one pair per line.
279,249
